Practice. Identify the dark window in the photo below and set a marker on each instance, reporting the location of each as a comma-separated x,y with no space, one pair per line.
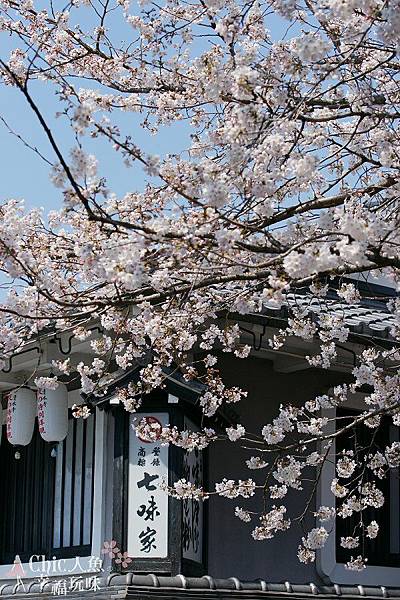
46,502
385,549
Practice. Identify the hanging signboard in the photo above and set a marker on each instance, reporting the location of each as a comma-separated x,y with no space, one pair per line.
192,510
147,503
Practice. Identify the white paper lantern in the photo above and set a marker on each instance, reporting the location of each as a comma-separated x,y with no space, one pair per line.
21,413
53,413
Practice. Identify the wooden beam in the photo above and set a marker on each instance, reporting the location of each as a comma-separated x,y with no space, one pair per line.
284,364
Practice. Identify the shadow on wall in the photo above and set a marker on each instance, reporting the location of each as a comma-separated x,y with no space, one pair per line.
232,550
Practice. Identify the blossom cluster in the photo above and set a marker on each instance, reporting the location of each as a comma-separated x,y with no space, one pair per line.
278,189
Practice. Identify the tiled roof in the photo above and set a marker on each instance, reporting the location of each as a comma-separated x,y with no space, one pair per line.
209,587
150,586
368,318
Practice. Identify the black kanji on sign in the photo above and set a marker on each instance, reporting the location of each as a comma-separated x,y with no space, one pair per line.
147,538
156,451
146,482
141,462
141,451
150,511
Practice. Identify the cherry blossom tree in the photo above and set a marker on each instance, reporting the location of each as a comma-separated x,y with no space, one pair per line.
289,182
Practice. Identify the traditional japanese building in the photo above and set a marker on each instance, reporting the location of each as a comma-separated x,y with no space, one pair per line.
85,516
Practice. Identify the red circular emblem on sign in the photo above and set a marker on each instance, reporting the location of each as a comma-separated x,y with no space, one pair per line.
156,427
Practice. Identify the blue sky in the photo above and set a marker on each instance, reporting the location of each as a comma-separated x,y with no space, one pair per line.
24,175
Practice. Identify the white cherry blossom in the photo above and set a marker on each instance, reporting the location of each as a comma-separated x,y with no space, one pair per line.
277,191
